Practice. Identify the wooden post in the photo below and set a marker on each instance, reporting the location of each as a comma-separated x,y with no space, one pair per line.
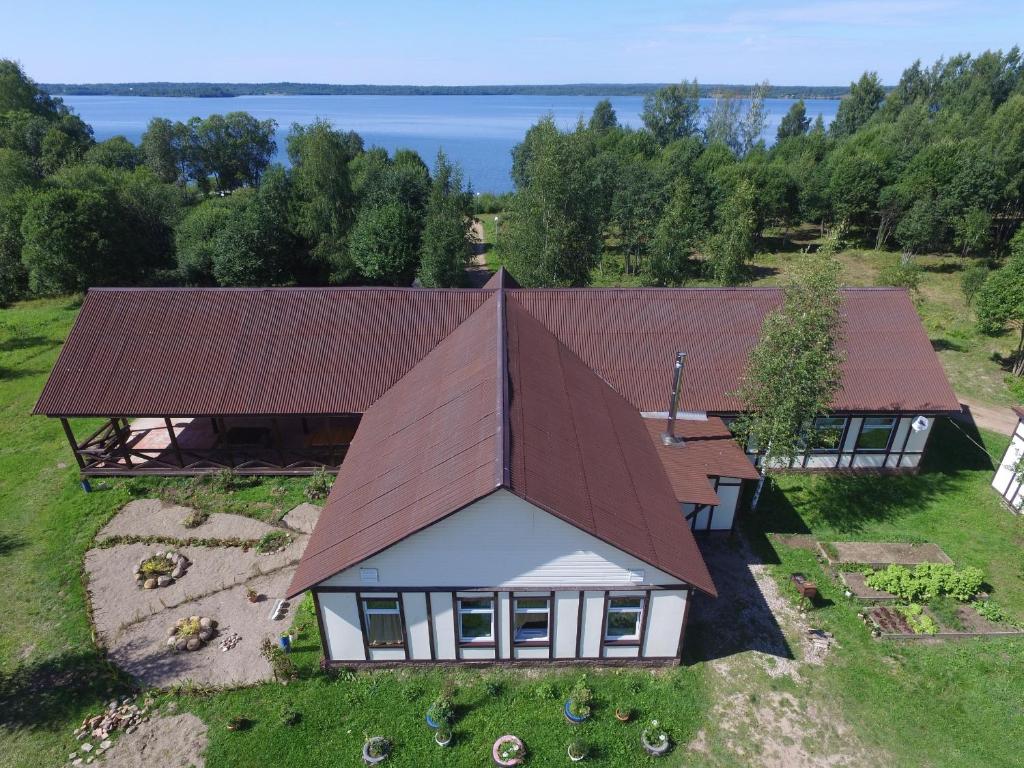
278,443
71,440
174,442
123,439
227,443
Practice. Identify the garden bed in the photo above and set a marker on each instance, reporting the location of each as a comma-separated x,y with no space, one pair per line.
894,626
880,554
859,590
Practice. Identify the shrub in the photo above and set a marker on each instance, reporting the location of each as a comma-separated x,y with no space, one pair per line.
906,273
580,697
319,485
377,746
195,518
971,280
281,663
290,716
995,613
239,723
493,686
545,690
926,582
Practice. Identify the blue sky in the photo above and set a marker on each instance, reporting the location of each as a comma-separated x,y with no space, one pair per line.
529,41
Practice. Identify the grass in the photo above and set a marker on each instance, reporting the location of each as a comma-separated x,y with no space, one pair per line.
943,704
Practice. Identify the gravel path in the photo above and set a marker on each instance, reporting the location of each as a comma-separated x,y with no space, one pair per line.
117,601
165,742
152,517
133,623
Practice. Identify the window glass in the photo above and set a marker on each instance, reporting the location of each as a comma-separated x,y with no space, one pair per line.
624,618
874,433
383,623
476,619
531,619
828,432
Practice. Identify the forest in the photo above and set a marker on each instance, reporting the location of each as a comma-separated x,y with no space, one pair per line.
208,90
935,164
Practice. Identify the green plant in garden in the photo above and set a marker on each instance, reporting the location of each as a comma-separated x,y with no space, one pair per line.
272,541
157,566
578,748
995,613
920,622
442,710
319,485
281,663
926,581
580,698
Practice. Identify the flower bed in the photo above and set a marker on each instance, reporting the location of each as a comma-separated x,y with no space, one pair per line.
192,633
508,750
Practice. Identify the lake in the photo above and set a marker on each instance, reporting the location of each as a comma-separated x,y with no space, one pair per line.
476,131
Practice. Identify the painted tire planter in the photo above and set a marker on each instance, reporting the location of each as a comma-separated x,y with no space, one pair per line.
517,754
659,748
378,741
431,722
574,719
623,716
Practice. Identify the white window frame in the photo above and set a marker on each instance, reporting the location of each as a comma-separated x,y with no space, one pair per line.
546,610
368,612
638,610
895,424
838,447
463,640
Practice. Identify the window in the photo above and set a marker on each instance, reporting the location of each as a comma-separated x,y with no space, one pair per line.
624,618
383,622
828,434
875,433
476,620
532,615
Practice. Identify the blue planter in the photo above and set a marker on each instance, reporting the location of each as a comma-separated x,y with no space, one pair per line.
431,723
570,716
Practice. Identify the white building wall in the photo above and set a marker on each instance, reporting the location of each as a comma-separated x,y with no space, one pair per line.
566,616
444,624
417,628
1005,481
503,541
340,616
593,614
664,622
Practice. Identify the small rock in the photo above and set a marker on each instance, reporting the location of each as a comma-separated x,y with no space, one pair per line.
172,706
150,584
164,581
206,622
130,729
180,644
78,761
87,747
178,572
205,634
194,644
106,744
172,631
171,641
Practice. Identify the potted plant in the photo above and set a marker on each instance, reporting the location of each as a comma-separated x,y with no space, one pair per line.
252,595
441,712
239,723
508,750
577,750
376,750
577,706
655,740
443,736
623,713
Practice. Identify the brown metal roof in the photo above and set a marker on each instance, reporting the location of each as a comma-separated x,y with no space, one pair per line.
709,450
191,352
501,403
581,452
630,337
428,447
501,279
194,351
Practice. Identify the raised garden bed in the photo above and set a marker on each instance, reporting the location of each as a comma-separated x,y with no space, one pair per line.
859,590
878,554
894,626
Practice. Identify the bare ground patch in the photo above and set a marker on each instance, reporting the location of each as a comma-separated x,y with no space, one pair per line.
767,711
178,741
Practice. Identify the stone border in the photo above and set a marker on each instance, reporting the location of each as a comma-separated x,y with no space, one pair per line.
179,567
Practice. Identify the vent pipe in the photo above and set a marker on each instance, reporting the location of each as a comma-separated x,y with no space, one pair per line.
669,437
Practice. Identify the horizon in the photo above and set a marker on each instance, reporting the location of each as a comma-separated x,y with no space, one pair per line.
454,44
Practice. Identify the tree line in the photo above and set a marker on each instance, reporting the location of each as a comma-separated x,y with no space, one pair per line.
200,203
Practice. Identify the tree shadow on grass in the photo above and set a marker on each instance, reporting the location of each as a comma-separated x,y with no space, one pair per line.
848,502
27,342
47,693
9,542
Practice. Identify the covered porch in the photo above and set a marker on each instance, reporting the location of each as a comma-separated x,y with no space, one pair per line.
249,445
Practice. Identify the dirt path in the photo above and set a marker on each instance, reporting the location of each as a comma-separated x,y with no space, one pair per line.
994,418
764,660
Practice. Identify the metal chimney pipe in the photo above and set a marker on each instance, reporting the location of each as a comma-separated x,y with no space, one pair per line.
669,436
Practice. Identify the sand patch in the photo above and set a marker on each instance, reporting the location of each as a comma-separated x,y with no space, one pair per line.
168,742
152,517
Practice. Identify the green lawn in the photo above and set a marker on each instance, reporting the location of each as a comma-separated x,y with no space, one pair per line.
954,704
